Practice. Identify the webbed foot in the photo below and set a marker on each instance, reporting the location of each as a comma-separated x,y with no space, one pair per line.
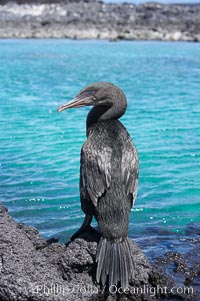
85,226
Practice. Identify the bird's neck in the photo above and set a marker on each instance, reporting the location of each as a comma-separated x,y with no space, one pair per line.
98,113
105,112
95,114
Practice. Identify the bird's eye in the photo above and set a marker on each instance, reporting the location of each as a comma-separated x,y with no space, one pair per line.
90,92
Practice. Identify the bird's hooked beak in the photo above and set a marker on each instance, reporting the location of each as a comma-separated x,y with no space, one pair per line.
77,102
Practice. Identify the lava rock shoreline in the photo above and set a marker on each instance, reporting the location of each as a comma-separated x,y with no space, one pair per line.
32,268
98,20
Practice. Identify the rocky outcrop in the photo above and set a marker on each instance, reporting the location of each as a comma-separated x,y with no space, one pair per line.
97,20
32,268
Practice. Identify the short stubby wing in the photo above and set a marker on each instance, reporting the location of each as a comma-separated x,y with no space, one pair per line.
95,170
130,170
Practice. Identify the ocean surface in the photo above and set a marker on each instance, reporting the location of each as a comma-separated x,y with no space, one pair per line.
40,149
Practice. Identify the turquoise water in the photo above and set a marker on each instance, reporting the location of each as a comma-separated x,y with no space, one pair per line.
40,149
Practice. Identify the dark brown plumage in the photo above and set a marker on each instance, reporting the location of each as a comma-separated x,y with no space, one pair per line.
108,179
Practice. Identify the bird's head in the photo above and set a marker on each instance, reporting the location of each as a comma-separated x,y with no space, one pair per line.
104,96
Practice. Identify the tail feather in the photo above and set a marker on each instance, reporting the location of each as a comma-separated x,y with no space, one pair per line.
113,274
131,268
115,261
124,270
99,249
108,256
101,258
105,271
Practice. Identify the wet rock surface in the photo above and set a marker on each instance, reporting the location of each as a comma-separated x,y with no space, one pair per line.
32,268
185,268
98,20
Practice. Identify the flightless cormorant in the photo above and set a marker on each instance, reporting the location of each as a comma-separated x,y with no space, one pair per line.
108,179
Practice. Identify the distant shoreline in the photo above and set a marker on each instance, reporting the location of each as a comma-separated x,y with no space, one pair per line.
98,20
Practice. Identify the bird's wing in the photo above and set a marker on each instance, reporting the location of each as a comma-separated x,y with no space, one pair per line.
95,170
130,171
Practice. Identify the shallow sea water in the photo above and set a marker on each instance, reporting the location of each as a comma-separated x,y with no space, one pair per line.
40,149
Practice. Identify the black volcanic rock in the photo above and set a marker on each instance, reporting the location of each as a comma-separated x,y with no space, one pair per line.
32,268
98,20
